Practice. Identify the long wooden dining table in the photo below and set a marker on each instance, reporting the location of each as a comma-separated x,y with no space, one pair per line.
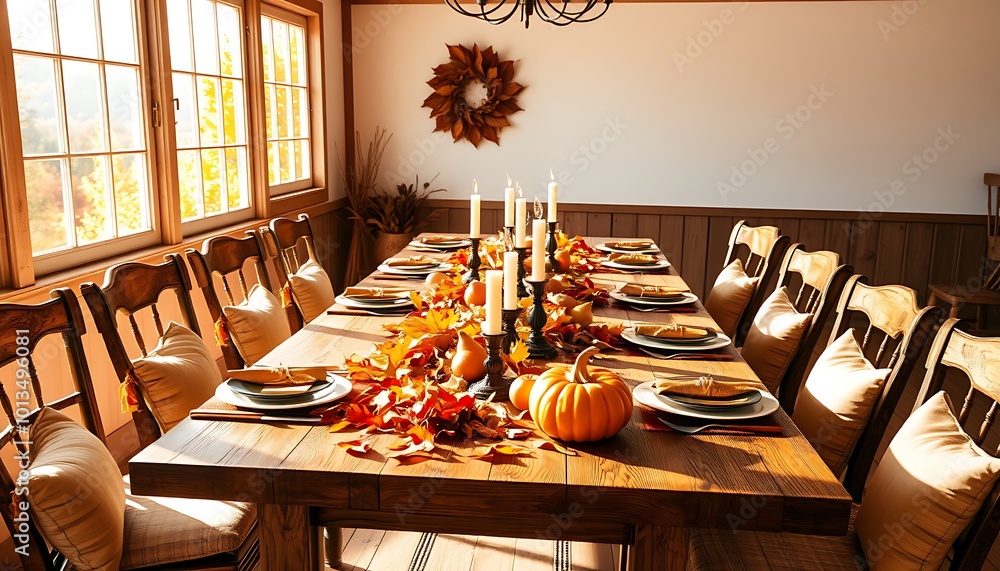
641,488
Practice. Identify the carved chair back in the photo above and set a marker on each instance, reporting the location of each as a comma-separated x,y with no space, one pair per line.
765,246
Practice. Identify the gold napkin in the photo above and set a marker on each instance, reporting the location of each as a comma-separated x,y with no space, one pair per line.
411,262
440,240
671,331
634,259
387,293
280,376
630,244
704,387
640,290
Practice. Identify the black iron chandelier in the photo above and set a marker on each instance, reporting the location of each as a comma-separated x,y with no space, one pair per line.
557,13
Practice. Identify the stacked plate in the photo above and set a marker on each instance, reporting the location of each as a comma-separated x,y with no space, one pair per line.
376,301
636,262
752,404
441,243
654,300
244,394
707,342
415,266
628,247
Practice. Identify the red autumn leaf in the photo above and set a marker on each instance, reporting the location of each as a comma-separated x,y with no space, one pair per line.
356,447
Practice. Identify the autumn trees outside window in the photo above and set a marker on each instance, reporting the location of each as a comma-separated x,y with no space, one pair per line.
88,168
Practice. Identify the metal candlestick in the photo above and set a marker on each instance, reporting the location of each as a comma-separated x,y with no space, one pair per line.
550,246
509,232
474,261
510,328
494,383
522,253
538,346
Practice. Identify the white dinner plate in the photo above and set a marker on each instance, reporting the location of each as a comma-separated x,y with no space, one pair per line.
442,247
659,265
338,390
374,304
718,343
604,247
442,267
683,299
646,394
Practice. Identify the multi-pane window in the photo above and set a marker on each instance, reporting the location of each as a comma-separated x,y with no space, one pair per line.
77,72
206,55
286,95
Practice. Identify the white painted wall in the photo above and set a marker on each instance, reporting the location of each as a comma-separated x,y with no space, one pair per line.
683,125
333,43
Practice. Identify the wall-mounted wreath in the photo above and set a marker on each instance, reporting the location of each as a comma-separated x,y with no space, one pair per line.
454,105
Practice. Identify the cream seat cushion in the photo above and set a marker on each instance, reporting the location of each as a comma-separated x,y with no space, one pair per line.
837,400
927,488
178,375
729,296
774,338
76,494
167,530
258,324
312,290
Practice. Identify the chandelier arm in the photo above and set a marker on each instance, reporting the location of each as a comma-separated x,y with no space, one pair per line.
485,16
565,18
565,13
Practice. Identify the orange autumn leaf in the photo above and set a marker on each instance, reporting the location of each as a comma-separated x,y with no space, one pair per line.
509,450
356,447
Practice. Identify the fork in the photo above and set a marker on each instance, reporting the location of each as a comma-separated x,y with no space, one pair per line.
658,310
691,429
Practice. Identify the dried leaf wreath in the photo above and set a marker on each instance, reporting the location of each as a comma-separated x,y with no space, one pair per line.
449,107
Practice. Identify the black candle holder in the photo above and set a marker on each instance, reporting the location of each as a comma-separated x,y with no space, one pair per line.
509,232
522,253
538,346
494,383
474,261
510,328
551,242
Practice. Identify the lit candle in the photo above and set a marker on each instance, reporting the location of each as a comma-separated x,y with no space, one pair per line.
537,250
520,222
510,280
508,204
494,286
553,197
474,207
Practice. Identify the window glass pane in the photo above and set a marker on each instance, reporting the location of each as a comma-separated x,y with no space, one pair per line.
280,32
38,106
46,181
299,108
77,28
185,112
30,25
179,31
232,112
90,200
206,49
282,110
301,158
212,181
118,31
208,110
124,108
296,55
273,166
285,161
129,177
229,40
189,171
236,178
286,98
267,48
269,114
85,109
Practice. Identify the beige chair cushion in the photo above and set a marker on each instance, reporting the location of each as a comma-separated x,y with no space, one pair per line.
729,296
75,492
178,375
774,338
837,400
258,324
312,290
926,489
167,530
718,549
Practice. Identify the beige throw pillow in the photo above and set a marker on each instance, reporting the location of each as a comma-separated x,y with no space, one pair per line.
837,400
729,296
76,494
312,290
258,324
927,488
774,338
177,376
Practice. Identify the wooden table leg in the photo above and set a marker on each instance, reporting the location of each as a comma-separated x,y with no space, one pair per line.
658,549
333,546
287,540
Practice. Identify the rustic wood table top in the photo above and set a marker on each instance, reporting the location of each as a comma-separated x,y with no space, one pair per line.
641,488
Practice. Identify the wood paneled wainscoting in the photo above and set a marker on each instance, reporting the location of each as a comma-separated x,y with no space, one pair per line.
911,249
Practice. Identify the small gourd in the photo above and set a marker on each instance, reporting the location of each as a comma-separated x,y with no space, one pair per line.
582,314
520,390
469,362
580,403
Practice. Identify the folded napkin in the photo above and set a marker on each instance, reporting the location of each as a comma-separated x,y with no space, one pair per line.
703,387
280,376
639,290
376,292
440,240
634,259
671,331
630,244
411,262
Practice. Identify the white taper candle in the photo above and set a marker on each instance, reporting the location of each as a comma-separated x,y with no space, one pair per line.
492,325
537,250
510,280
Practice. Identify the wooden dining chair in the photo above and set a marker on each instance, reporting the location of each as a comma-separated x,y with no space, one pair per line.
988,295
308,285
817,280
294,242
226,256
128,289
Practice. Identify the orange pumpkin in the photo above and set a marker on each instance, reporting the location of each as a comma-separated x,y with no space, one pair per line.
580,404
520,390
